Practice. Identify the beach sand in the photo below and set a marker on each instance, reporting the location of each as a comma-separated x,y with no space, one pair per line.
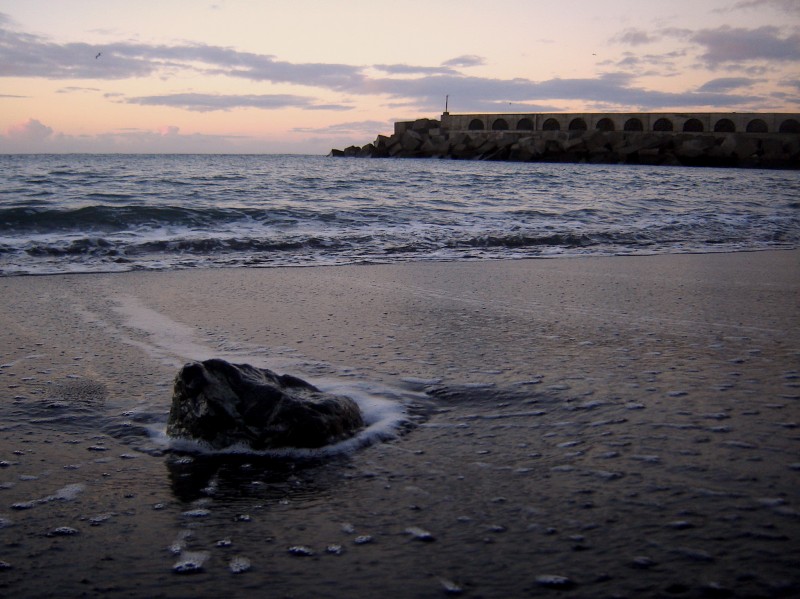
588,427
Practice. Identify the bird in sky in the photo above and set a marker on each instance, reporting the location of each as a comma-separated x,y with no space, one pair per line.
98,55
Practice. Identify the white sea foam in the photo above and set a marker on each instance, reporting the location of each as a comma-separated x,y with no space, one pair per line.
383,408
167,340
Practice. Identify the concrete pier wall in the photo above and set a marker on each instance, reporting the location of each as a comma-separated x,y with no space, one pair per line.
689,122
755,140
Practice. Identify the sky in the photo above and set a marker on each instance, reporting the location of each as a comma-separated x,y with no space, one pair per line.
305,76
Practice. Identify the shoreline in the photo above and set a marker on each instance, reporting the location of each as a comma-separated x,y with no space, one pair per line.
629,425
690,252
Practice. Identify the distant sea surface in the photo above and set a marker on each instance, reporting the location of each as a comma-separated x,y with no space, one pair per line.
105,213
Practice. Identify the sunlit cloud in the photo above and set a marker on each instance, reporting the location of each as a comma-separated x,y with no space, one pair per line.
788,6
477,94
635,37
725,84
467,60
735,44
210,102
35,136
31,130
70,89
405,69
368,127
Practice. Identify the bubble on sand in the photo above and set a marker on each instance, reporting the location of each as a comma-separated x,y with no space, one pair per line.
420,534
334,549
68,493
197,513
650,459
642,561
63,531
363,539
191,562
300,551
98,520
554,581
239,564
450,587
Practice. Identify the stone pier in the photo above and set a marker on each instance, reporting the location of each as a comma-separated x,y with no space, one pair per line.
760,140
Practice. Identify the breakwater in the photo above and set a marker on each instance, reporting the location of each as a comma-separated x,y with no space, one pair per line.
754,140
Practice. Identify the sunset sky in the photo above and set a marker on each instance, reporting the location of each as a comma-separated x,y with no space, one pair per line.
304,76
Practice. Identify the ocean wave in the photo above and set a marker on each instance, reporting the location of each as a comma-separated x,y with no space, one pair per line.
89,213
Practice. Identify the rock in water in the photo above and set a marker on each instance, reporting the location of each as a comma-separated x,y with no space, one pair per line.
225,404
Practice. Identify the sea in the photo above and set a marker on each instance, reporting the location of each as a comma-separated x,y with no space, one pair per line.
107,213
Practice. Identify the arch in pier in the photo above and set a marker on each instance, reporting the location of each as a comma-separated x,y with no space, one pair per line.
475,125
551,125
500,125
693,126
605,124
633,124
577,124
525,124
789,126
663,124
724,126
757,126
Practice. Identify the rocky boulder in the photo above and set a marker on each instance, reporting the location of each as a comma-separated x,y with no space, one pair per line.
224,404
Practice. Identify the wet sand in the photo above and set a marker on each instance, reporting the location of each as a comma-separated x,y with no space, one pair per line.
592,427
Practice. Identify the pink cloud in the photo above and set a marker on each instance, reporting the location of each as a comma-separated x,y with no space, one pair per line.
168,130
31,130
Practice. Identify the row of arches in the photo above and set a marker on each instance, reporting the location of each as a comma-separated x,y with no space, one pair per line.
692,125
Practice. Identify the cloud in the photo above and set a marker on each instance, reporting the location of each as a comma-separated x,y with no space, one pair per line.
725,84
635,37
475,94
27,55
411,87
404,69
34,136
73,89
795,83
465,60
724,44
735,44
788,6
210,102
165,130
31,130
368,127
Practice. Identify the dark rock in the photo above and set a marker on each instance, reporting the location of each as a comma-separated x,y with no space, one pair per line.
225,404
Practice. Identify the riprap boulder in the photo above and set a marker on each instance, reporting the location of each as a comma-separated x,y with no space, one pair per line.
224,404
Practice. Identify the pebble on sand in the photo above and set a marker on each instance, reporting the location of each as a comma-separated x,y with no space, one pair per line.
554,581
